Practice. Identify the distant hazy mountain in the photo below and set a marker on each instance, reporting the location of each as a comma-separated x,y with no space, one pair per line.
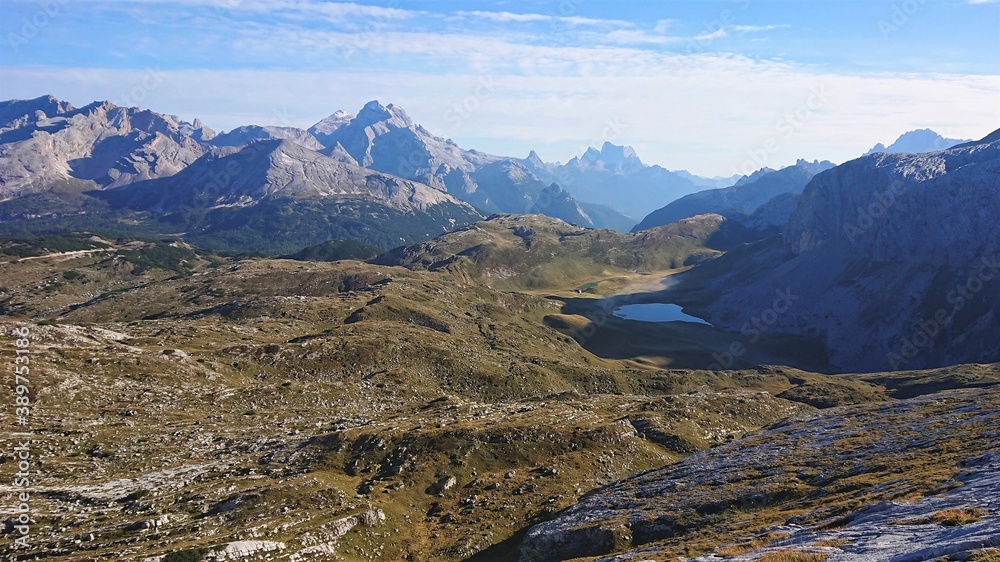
714,182
384,138
44,141
893,261
242,136
744,198
615,176
917,142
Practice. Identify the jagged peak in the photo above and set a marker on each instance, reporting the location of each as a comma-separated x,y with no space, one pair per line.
374,112
613,153
97,106
533,159
591,155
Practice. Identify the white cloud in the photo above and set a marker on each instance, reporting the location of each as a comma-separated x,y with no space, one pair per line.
727,30
717,34
509,17
504,17
332,11
663,25
639,37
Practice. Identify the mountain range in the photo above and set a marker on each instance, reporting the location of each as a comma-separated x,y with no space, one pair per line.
892,258
741,199
916,142
437,369
614,176
60,166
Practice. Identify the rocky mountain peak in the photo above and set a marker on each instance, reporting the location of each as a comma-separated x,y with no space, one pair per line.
623,155
246,134
330,124
755,176
374,112
534,160
591,156
15,113
917,142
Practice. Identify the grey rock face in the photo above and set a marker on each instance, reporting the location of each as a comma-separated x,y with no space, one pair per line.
774,214
19,113
642,516
242,136
384,138
101,142
324,128
895,260
276,168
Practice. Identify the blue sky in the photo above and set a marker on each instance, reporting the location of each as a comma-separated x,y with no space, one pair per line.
716,87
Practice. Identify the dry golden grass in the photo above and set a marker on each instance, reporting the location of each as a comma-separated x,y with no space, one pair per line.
749,545
953,517
741,548
985,555
957,516
792,556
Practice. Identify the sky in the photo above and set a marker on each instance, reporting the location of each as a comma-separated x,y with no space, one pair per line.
713,87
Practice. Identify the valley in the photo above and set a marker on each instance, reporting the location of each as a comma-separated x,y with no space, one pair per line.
361,341
190,404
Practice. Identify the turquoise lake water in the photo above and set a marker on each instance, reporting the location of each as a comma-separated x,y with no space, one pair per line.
655,312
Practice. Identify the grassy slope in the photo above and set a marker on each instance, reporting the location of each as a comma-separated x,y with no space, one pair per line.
532,252
266,399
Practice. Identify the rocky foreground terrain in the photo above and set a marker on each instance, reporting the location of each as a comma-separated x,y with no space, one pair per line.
903,480
189,406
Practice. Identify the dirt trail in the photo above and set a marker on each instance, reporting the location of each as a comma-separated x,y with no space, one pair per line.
62,255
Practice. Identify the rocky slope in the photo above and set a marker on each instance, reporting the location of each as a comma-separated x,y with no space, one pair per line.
326,126
242,136
269,169
892,256
384,138
850,483
299,196
101,142
741,199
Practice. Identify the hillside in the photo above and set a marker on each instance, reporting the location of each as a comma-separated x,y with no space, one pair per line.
809,488
891,255
318,407
741,199
537,252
